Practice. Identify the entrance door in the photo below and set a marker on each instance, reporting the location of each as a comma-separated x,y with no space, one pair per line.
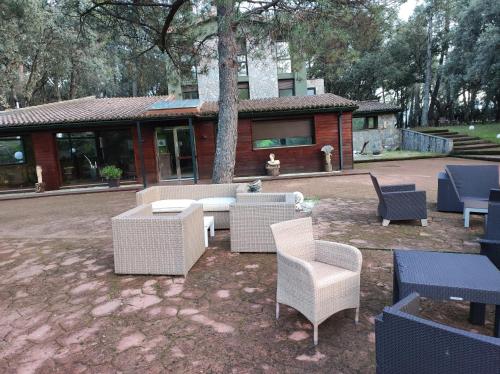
175,159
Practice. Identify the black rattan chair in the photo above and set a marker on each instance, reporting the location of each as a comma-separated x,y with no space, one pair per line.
400,202
490,242
407,343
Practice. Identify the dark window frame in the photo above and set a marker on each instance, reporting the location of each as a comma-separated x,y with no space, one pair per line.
190,92
313,89
283,141
242,58
243,86
23,150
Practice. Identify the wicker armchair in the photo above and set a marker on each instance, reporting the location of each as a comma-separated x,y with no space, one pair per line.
490,242
194,192
400,202
144,243
406,343
316,277
251,217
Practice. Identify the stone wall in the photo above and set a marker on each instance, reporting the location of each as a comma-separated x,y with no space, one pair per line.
379,139
417,141
208,76
262,73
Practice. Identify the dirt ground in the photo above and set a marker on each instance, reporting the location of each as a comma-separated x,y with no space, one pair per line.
63,309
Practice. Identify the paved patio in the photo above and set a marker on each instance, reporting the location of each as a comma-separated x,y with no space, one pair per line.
63,309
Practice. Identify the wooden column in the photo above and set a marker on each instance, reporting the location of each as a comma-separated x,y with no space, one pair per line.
45,151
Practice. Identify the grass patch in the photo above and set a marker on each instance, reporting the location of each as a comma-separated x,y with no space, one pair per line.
484,131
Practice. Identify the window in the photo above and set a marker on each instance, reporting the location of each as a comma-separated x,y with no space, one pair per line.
286,87
190,91
243,91
283,59
364,123
12,151
282,133
242,59
311,91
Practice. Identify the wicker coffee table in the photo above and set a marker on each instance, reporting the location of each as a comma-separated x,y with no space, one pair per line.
449,276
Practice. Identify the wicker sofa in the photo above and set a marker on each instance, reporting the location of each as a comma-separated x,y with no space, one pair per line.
195,192
407,343
144,243
460,182
251,217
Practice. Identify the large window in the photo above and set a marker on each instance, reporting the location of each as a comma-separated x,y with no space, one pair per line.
243,91
190,91
282,133
364,123
283,59
12,151
286,87
242,58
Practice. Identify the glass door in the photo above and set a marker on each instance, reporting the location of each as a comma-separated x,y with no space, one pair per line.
175,159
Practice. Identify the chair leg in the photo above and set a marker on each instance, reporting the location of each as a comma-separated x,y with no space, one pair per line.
315,334
356,317
386,222
277,310
424,222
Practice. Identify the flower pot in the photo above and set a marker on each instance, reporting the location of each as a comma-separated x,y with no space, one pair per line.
113,183
273,170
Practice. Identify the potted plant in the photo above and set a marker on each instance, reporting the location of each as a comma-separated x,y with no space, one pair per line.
112,174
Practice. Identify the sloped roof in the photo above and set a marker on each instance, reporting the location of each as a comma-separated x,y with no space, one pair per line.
91,109
374,106
87,109
278,104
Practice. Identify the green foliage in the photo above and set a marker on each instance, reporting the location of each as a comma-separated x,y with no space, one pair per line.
111,172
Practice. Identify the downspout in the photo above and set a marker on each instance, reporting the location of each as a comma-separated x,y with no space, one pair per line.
341,141
141,155
193,150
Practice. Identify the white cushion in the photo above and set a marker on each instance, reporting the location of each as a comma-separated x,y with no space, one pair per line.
327,275
170,206
216,204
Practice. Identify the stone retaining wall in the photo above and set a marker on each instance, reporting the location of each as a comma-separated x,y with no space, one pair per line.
417,141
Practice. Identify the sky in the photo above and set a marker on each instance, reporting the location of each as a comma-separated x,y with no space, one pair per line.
406,9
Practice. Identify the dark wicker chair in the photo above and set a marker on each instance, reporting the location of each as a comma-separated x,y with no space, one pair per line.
490,242
400,202
406,343
460,182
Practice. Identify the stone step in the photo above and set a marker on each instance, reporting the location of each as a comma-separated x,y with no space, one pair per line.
474,146
482,157
455,136
433,131
487,151
468,141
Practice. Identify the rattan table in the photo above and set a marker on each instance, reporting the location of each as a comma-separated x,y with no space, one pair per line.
449,276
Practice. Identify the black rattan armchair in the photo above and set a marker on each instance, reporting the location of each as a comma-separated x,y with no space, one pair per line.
400,202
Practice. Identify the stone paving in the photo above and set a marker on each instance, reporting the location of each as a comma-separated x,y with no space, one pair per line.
63,309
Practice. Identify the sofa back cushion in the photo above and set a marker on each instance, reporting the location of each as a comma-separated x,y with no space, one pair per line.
473,181
198,191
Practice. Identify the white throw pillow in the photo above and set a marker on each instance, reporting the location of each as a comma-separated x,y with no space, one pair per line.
216,204
171,206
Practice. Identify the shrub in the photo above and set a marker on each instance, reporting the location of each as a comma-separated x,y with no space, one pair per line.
111,172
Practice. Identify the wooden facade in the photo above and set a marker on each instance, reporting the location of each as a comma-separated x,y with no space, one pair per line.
249,161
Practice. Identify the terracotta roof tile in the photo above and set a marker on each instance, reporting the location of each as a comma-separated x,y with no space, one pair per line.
91,109
374,106
87,109
324,101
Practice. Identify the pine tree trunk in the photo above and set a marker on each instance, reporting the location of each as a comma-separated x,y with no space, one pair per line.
424,119
227,135
435,92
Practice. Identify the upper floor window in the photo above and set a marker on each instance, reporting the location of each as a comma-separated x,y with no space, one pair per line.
311,91
283,59
243,91
190,91
12,151
286,87
242,59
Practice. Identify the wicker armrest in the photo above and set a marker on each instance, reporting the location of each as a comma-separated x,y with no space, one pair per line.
337,254
147,195
410,304
405,197
295,272
398,188
241,188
